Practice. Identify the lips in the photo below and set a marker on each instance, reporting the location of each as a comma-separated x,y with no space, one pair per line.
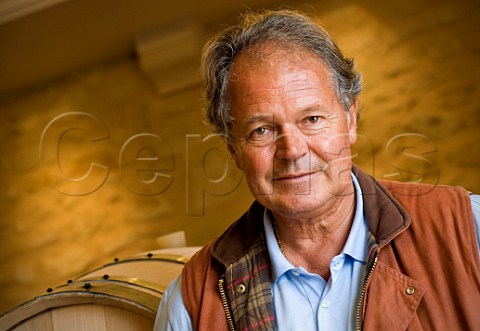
298,175
291,176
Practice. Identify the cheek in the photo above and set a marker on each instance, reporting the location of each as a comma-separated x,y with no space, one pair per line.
257,162
331,148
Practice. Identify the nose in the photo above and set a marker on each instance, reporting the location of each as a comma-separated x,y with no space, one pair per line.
291,145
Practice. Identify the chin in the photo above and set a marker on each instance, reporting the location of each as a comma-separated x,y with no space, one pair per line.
292,205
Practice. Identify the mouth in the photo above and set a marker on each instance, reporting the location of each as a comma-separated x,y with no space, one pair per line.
292,177
297,175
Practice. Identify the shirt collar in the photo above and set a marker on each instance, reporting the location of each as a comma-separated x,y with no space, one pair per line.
355,247
280,264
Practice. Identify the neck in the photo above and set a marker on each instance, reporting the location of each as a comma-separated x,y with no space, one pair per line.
313,242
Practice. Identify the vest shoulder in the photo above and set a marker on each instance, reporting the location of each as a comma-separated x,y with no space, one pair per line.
444,208
422,191
436,205
201,259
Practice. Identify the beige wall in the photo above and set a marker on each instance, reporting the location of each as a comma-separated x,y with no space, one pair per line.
421,91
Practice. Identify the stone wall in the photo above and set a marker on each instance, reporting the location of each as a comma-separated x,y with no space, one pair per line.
59,219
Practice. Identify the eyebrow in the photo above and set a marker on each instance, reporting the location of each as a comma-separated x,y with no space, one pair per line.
271,118
259,118
312,109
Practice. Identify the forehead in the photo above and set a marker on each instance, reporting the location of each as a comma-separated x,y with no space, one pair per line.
270,55
272,71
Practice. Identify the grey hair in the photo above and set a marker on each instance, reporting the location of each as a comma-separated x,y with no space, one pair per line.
287,27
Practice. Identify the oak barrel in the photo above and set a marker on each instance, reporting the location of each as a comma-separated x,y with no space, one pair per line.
122,295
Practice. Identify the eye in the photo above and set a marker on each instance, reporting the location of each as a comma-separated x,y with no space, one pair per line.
313,119
260,133
313,123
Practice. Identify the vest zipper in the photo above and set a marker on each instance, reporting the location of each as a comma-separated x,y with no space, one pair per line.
362,295
226,308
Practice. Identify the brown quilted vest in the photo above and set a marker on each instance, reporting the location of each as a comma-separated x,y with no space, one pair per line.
424,261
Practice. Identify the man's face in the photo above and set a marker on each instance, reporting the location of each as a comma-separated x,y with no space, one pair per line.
290,132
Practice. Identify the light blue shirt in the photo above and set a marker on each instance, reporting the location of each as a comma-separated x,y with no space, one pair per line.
172,314
303,301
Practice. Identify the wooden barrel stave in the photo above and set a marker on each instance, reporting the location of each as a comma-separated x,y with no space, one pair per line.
122,295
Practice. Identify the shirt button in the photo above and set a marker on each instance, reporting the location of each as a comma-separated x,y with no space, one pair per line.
325,303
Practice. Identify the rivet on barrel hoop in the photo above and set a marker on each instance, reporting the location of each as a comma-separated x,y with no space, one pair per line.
106,276
49,290
69,281
87,286
149,255
115,259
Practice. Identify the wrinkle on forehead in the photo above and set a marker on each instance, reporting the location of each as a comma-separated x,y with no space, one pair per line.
265,56
254,68
281,58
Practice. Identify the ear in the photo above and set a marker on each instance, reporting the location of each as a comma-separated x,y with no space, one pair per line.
352,125
236,157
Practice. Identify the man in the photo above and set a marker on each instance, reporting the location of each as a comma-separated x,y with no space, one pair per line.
325,246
